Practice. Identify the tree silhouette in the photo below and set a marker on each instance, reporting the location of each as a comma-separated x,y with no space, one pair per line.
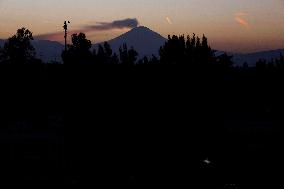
107,49
79,51
280,62
261,65
224,60
105,55
127,56
189,51
18,49
144,60
281,58
173,52
1,54
149,61
245,65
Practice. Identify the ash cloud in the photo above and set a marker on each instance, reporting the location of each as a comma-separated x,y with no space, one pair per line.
117,24
128,23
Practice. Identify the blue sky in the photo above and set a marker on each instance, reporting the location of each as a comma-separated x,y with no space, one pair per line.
233,25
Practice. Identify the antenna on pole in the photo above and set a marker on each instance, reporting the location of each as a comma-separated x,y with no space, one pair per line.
65,26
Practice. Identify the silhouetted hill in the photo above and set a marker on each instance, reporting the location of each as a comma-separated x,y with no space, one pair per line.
48,51
252,58
145,41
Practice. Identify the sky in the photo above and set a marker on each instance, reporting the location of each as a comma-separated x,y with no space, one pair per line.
231,25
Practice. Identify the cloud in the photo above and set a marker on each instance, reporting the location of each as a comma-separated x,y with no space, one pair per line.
117,24
128,23
240,20
56,36
169,20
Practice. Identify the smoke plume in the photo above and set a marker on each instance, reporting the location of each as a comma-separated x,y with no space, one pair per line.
128,23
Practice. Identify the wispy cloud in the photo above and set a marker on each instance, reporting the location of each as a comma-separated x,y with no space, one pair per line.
117,24
169,21
128,23
239,18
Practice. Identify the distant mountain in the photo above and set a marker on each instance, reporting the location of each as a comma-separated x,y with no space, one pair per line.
252,58
145,41
48,51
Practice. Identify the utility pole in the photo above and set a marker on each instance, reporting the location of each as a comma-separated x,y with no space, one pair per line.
65,26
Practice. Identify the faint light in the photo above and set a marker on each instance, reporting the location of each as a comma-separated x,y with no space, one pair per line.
207,161
169,20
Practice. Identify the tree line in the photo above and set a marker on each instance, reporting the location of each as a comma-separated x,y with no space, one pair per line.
178,50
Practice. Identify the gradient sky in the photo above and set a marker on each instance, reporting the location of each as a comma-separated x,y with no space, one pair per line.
232,25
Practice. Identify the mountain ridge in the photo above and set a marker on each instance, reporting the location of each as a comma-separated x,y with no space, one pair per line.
48,51
144,40
252,58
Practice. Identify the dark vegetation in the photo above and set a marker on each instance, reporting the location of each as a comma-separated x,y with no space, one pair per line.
112,120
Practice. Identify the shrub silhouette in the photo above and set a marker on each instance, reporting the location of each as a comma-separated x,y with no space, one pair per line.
18,49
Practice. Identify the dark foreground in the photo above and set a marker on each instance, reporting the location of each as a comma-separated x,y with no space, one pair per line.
141,127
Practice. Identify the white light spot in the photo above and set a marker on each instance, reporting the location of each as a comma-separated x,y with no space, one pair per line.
207,161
